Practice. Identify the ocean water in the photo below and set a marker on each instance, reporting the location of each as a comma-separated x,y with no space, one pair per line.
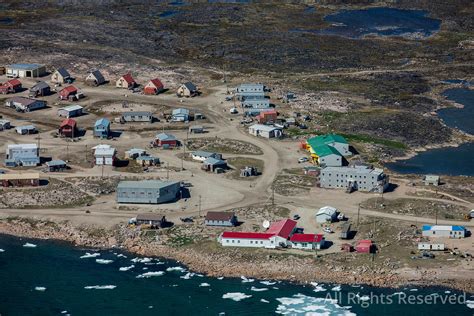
53,278
449,160
381,22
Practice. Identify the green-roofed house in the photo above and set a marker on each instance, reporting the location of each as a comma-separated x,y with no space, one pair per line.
326,156
333,140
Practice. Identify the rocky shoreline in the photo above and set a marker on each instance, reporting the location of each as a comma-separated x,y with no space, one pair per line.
291,268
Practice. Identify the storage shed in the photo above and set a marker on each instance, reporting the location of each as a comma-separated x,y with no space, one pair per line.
70,111
187,89
4,124
20,179
40,89
225,219
60,76
56,165
148,191
95,78
126,82
26,129
326,214
166,141
365,246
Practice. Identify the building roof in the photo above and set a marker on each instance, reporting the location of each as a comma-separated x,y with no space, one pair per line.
71,108
69,89
266,128
137,113
102,121
102,146
40,85
214,161
25,66
327,210
219,216
20,176
307,238
63,72
244,235
157,83
148,158
202,153
271,112
251,85
282,228
165,137
13,82
146,184
196,127
22,100
98,75
58,162
149,217
325,140
104,151
325,150
190,86
23,146
28,127
364,242
443,227
180,111
68,122
362,170
128,78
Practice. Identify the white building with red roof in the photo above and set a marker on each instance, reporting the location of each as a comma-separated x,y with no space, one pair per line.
126,82
276,236
307,241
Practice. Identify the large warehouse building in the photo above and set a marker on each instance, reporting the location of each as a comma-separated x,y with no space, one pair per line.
148,191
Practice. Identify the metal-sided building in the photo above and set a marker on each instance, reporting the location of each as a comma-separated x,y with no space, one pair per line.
256,102
70,111
443,231
362,178
148,191
22,155
326,156
23,104
225,219
246,90
104,155
40,89
326,214
25,70
266,131
180,115
102,128
333,140
26,129
137,116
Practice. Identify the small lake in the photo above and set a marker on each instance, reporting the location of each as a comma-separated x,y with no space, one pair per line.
381,22
6,21
449,160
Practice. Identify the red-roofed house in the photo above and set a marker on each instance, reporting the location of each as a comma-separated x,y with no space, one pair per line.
307,241
66,93
154,86
126,82
11,86
365,246
267,117
68,128
276,236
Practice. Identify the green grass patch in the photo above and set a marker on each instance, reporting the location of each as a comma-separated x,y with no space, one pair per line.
374,140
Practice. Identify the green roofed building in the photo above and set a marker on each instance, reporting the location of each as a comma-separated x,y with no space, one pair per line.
328,150
333,140
327,156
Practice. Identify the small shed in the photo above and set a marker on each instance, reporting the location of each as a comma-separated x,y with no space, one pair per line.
196,129
40,89
347,248
61,76
56,165
4,124
68,128
133,153
95,78
154,86
345,231
326,214
180,115
212,164
146,161
70,111
166,141
126,82
431,179
68,93
187,89
26,129
153,220
226,219
365,246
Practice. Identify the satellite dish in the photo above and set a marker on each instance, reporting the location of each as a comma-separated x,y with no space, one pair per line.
266,224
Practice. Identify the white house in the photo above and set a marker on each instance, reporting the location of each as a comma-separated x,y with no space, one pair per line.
444,231
307,241
326,214
203,155
275,237
104,155
266,131
428,246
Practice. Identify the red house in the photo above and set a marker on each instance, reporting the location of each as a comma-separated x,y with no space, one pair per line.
153,87
68,128
267,117
166,140
365,246
126,82
67,92
11,86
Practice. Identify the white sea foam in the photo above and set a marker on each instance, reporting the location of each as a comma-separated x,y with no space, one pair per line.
63,312
245,280
267,282
40,288
300,304
1,250
90,255
258,289
121,255
220,278
100,287
264,300
470,304
236,296
337,288
204,284
398,293
317,287
103,261
200,275
180,269
150,274
447,292
413,290
29,245
141,260
126,268
187,276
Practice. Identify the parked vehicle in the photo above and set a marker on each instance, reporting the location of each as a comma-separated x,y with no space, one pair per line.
303,159
328,230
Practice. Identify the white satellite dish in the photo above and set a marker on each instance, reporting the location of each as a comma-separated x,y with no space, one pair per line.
266,224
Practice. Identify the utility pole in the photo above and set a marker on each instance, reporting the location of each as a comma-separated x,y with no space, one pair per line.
436,216
67,152
86,154
167,171
102,170
358,215
273,195
199,206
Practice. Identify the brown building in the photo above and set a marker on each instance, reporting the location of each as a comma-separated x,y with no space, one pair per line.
220,219
20,179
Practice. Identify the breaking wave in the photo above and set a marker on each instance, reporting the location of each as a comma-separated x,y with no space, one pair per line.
100,287
236,296
246,280
204,284
180,269
300,304
90,255
40,288
103,261
150,274
258,289
28,245
126,268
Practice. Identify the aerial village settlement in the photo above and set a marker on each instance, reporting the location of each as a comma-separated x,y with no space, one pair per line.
232,174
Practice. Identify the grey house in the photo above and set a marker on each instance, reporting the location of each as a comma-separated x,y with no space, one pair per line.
137,116
40,89
95,78
256,102
154,220
246,90
226,219
358,177
147,191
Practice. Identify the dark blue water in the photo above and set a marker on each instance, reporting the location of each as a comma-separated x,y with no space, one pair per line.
458,81
7,21
52,279
381,22
168,14
450,160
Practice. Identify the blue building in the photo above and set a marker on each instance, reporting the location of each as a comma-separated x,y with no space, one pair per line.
22,155
256,103
180,115
102,128
444,231
148,191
